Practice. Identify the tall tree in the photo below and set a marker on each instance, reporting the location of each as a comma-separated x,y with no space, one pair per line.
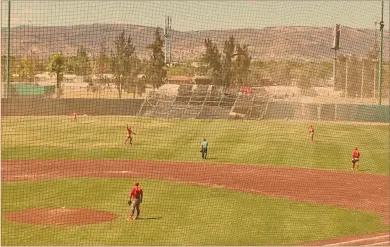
13,69
228,54
241,64
25,69
103,60
157,70
135,83
83,62
79,64
212,58
57,65
123,62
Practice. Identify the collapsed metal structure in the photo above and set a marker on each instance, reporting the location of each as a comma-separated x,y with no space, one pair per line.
206,102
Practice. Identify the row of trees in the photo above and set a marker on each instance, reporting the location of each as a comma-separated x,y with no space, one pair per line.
233,65
122,62
230,66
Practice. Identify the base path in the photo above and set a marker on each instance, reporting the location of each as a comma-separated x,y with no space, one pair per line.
352,190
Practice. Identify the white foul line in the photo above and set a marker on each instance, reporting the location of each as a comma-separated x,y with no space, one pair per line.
386,242
358,240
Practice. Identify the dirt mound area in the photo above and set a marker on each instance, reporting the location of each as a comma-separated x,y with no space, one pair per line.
60,216
345,189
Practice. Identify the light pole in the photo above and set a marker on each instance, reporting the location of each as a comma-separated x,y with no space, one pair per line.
381,23
336,46
8,49
376,59
361,88
375,64
346,76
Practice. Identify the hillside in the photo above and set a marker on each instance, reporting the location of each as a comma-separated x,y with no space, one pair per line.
266,43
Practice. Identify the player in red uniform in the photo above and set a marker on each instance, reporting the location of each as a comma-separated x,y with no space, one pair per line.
137,195
129,132
355,159
74,116
311,133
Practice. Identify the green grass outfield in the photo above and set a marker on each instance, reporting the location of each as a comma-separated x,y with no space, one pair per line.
278,143
184,215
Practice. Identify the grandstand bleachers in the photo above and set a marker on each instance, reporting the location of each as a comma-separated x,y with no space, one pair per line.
251,104
184,93
205,101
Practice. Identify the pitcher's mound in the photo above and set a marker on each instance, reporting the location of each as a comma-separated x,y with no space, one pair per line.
60,216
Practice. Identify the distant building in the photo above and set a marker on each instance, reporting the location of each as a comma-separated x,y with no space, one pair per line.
69,78
102,76
179,79
44,77
203,80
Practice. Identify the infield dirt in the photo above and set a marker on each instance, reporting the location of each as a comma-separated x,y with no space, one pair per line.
351,190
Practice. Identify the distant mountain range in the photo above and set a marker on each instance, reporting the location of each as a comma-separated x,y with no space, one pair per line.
287,42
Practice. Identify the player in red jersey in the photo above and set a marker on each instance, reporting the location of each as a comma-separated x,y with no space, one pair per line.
355,159
129,132
311,133
137,195
74,116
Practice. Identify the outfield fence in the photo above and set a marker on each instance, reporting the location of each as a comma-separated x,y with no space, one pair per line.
131,107
53,107
328,112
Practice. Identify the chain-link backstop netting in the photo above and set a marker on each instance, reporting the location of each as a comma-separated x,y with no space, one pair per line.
242,121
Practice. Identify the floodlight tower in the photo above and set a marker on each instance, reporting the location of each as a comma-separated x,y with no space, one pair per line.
167,39
381,27
336,47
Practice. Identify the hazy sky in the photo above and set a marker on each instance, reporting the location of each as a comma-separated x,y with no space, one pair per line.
197,15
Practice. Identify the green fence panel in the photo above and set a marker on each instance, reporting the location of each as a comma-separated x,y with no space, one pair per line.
307,111
373,113
362,113
327,112
280,110
347,112
33,90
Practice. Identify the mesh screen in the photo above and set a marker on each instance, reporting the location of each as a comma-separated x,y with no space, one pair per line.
242,121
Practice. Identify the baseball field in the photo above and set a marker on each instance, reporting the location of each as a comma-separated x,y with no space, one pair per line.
66,182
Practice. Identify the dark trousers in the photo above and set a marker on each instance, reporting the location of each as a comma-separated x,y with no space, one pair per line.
204,153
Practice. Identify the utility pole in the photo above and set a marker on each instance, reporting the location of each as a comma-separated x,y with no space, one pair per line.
167,39
170,35
361,88
376,59
336,46
346,78
382,24
8,49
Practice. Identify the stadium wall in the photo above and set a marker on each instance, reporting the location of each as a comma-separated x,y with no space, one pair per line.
19,106
328,112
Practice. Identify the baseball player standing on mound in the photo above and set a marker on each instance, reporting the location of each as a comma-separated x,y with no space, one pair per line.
136,196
